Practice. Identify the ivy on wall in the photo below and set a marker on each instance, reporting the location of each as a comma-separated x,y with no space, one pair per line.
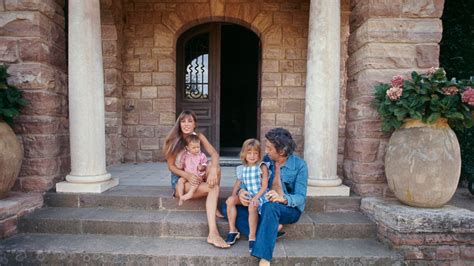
457,58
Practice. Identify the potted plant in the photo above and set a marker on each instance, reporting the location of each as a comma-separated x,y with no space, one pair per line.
11,153
423,160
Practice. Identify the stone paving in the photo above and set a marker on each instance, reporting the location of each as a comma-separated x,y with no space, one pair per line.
156,174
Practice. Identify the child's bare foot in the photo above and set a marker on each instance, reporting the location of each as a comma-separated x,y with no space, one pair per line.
180,202
185,197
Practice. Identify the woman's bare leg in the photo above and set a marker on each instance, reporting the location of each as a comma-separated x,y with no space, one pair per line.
218,212
214,237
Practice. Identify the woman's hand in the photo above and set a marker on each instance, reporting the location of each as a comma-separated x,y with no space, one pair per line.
273,196
212,177
194,179
244,197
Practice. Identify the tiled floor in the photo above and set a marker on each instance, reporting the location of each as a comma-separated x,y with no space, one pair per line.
156,174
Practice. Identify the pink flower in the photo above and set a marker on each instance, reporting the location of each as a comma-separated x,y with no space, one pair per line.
451,90
468,96
397,81
394,93
432,70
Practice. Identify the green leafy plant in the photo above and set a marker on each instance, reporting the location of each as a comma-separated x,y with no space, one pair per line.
425,97
11,98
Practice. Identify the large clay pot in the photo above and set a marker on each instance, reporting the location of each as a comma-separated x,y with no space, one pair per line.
423,163
11,155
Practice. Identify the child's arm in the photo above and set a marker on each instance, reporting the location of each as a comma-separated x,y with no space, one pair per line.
264,178
236,187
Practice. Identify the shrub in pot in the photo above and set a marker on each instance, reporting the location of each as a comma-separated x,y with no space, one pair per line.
11,153
423,160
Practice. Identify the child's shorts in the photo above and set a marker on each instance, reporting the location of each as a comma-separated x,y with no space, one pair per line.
174,181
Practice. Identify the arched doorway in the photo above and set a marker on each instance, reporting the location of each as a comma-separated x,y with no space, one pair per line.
218,70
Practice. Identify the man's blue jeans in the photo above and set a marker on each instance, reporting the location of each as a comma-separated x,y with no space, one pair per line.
272,215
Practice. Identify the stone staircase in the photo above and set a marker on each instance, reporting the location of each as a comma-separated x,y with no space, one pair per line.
139,225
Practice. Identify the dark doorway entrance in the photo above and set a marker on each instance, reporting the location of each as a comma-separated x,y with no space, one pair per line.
239,87
218,77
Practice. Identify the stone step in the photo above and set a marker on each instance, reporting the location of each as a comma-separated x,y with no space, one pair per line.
168,223
56,249
159,197
230,161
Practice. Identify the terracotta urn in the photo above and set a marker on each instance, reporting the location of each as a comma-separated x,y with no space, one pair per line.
11,155
423,163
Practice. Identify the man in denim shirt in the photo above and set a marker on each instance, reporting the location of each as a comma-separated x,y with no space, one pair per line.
287,195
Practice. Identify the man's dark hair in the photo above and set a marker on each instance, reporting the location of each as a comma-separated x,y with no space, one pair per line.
282,140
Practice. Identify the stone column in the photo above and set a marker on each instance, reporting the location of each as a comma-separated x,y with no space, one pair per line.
86,102
322,99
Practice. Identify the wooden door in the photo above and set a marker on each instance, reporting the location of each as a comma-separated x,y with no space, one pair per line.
198,79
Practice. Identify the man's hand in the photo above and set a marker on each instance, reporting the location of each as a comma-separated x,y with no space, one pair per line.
273,196
244,197
254,201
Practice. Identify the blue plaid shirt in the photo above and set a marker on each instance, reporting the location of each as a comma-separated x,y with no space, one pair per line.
294,180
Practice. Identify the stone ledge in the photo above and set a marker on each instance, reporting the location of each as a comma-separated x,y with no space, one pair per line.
406,219
15,205
424,236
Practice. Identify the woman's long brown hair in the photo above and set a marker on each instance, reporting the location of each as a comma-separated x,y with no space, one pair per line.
174,142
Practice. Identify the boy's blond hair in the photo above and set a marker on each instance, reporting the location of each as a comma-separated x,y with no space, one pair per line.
248,145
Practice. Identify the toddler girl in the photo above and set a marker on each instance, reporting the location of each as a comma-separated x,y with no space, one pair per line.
192,160
253,177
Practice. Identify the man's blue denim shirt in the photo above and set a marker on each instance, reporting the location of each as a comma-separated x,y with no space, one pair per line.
294,179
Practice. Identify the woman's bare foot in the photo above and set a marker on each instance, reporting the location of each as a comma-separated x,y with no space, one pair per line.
264,262
280,226
217,241
219,214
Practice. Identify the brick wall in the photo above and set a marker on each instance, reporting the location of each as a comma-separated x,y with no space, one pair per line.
386,38
150,34
33,43
112,47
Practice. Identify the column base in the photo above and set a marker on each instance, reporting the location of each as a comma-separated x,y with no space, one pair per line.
341,190
98,187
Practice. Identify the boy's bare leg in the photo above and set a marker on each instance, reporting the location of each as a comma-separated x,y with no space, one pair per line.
253,220
231,202
180,189
188,195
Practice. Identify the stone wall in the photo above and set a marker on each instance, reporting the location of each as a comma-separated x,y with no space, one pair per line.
33,43
387,37
151,31
112,46
439,236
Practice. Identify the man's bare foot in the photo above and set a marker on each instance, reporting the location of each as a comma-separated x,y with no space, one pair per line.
219,214
264,262
217,241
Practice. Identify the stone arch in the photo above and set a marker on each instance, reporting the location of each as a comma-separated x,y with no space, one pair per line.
149,66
